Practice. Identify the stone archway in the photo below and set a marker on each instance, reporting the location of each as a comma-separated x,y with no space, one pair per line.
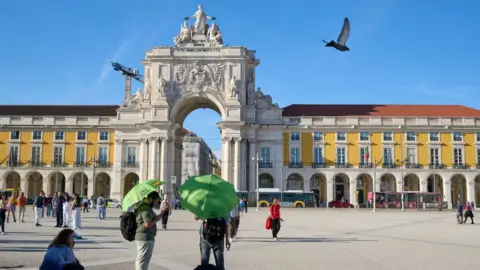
35,184
318,184
266,180
435,183
57,182
388,183
77,186
459,189
12,180
341,187
364,186
411,182
102,185
477,190
294,182
130,180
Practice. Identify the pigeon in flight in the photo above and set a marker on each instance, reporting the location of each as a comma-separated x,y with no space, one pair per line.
342,39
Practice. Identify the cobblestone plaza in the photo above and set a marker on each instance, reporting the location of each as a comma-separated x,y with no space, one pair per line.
309,239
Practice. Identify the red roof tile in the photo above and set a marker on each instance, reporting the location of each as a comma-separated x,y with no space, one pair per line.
59,110
381,110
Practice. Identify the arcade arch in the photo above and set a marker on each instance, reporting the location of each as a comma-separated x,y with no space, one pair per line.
102,185
341,187
35,184
364,186
411,182
459,189
388,183
266,180
57,182
294,182
78,187
435,183
130,180
12,180
477,190
318,184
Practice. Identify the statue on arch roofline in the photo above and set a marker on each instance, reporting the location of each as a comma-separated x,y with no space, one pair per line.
185,34
200,26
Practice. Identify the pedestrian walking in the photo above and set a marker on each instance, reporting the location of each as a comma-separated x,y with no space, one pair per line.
48,205
469,213
58,202
275,217
67,211
234,222
245,204
146,230
11,207
3,211
38,206
460,213
213,233
85,203
21,203
101,205
165,212
76,212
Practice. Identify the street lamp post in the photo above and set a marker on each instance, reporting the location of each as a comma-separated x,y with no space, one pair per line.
256,159
281,185
374,185
403,180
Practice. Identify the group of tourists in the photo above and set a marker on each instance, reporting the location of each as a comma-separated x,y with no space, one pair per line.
462,217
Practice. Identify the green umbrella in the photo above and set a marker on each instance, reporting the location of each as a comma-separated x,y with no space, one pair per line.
139,192
208,196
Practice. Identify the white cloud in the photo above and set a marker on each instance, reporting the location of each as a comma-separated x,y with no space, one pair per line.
107,68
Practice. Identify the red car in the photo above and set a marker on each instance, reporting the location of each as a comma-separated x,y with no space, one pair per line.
339,204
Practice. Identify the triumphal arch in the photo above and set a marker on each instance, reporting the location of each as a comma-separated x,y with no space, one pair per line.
198,71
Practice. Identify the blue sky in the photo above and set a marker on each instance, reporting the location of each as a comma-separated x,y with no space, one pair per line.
402,51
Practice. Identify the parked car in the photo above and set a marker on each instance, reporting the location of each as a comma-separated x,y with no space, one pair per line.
114,203
339,204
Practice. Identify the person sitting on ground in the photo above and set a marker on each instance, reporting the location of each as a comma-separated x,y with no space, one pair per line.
60,255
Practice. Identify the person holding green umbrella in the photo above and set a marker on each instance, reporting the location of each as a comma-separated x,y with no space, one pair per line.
139,192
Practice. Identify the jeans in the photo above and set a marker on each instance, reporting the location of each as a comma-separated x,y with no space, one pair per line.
59,216
49,210
165,215
233,226
217,247
2,220
38,214
21,213
101,212
144,254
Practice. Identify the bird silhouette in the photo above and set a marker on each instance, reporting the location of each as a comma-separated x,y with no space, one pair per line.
342,39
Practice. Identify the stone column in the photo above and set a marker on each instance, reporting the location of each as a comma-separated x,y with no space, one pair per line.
252,178
447,188
166,163
117,182
46,186
226,152
153,160
353,192
470,189
24,187
330,190
143,159
3,183
277,158
424,186
69,186
236,168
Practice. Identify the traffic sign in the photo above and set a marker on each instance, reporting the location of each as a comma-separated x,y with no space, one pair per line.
174,179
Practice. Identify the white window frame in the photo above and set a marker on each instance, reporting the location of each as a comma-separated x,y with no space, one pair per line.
461,136
477,136
463,155
81,140
429,137
360,147
322,135
360,136
392,147
439,155
63,153
18,152
33,135
299,136
19,135
477,151
76,153
108,153
55,136
269,154
336,154
100,137
40,153
389,141
128,154
415,157
341,141
416,137
299,154
322,151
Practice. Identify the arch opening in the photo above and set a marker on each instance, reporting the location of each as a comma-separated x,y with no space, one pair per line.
78,187
411,182
342,187
57,182
459,189
294,182
129,181
185,107
477,190
388,183
266,180
102,185
12,180
435,183
35,185
364,186
318,185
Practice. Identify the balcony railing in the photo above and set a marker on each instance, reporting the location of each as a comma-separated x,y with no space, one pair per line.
413,166
265,165
342,165
80,164
103,164
460,166
36,164
389,166
437,166
57,164
317,165
365,165
13,163
295,165
130,164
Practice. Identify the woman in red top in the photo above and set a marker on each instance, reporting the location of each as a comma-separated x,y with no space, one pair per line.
275,216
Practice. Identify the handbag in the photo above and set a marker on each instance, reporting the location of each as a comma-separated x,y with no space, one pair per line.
268,224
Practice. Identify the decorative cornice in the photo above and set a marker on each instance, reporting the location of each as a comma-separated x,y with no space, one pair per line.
237,139
143,139
116,141
153,139
226,139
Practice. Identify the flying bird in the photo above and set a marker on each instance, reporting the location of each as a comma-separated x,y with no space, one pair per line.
342,39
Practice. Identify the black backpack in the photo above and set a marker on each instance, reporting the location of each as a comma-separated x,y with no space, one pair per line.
128,226
214,229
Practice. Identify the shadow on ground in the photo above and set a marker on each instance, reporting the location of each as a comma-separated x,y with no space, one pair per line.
303,240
